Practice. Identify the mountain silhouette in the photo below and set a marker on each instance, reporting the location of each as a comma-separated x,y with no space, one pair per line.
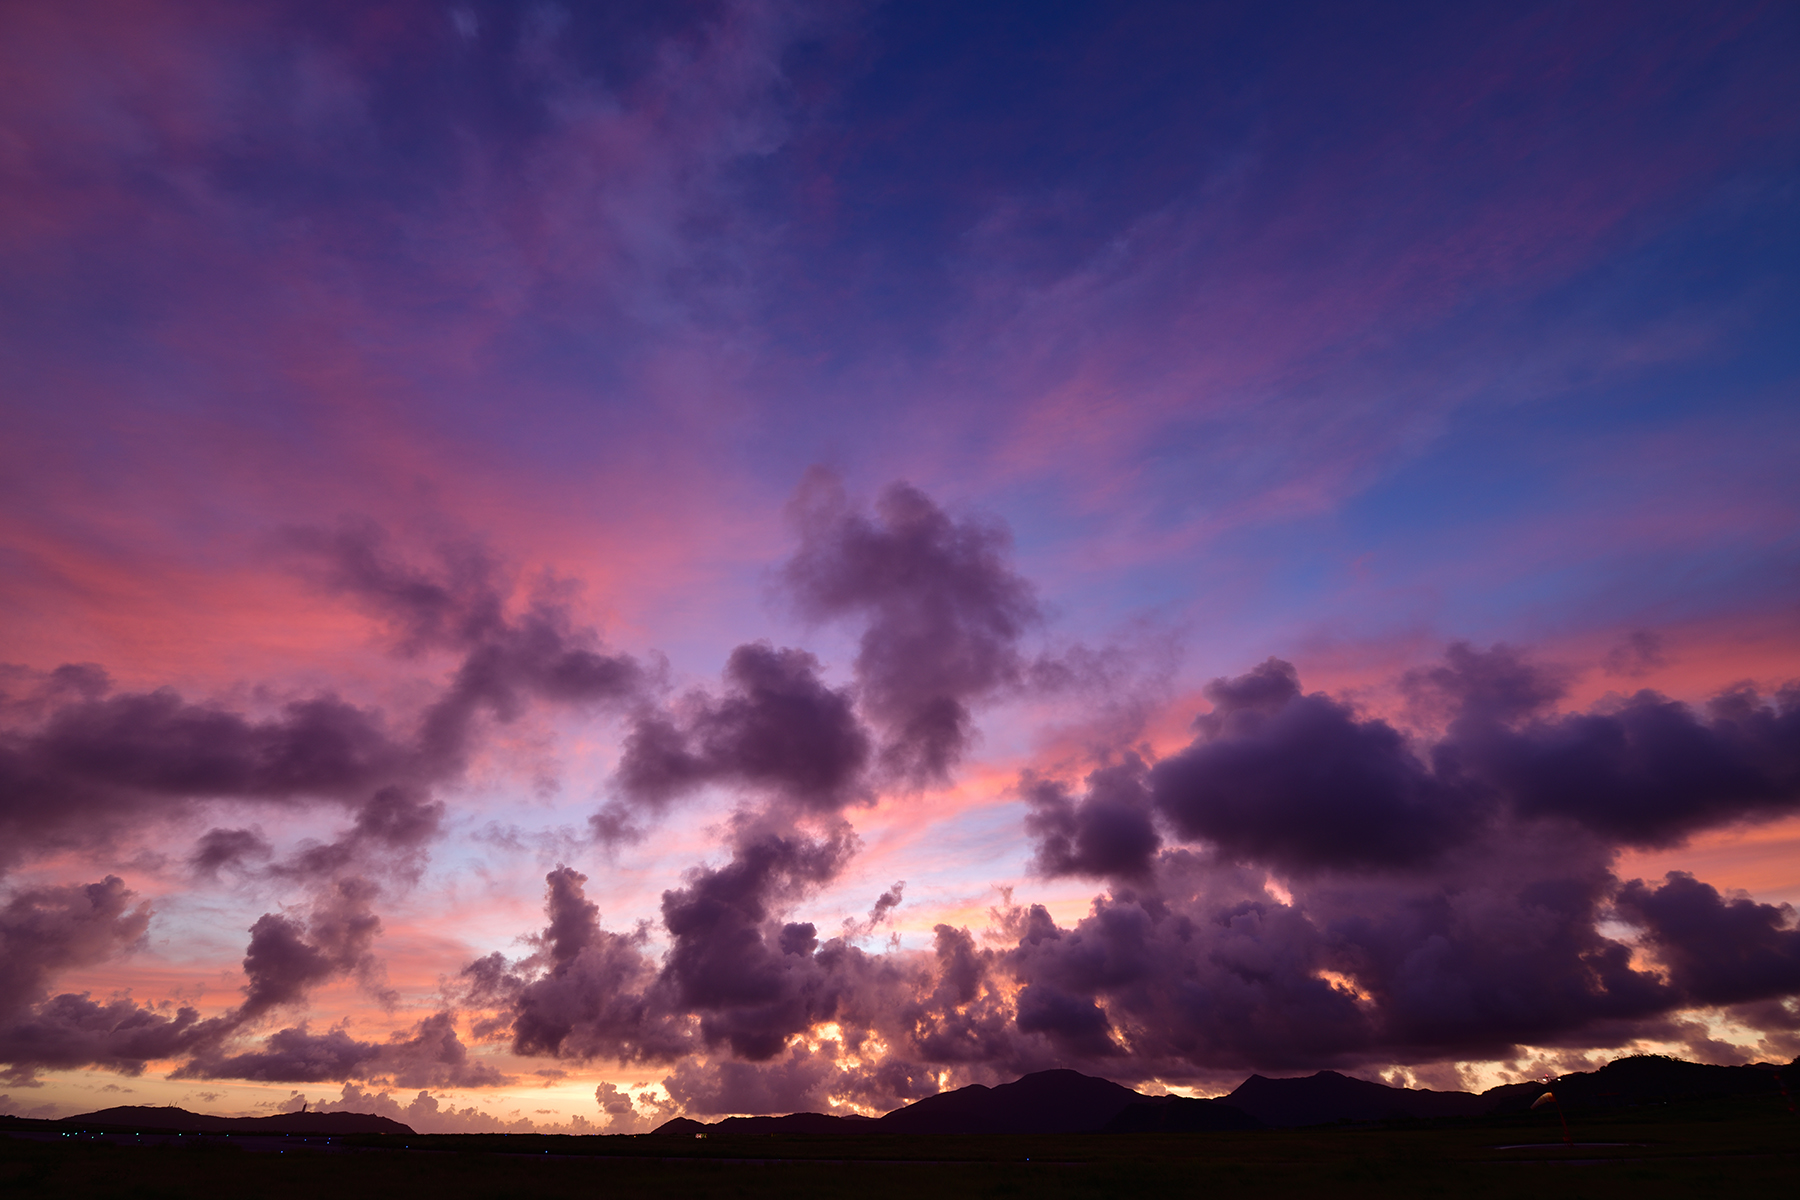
1328,1096
1640,1079
1066,1101
180,1120
1059,1101
1649,1079
807,1122
1044,1102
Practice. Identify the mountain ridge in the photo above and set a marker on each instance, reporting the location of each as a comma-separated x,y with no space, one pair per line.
1066,1101
180,1120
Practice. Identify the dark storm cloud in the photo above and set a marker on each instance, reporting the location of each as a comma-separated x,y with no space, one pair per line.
947,1008
1473,687
1641,770
943,615
160,744
798,1081
281,964
1075,1023
331,937
739,981
432,1057
777,729
1436,907
1716,951
1208,971
734,974
389,837
587,993
1442,892
879,912
47,930
1505,950
942,611
1107,832
1299,782
96,764
752,984
294,1055
286,958
79,765
539,656
459,605
397,819
71,1030
1448,891
1213,972
886,903
1648,771
220,848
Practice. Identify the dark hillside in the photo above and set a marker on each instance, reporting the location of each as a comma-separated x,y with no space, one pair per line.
1328,1096
1648,1079
1067,1102
809,1123
181,1120
1044,1102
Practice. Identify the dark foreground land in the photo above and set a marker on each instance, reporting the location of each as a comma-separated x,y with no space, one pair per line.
1729,1147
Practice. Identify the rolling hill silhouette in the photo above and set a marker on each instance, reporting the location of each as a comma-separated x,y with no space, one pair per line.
807,1122
1044,1102
1651,1079
180,1120
1059,1101
1064,1101
1328,1096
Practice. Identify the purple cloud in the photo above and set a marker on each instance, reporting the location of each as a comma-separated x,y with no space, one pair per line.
942,612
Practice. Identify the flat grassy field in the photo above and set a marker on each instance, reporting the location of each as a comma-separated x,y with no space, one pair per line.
1719,1148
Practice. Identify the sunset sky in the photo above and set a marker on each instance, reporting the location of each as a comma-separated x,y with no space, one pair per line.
563,565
